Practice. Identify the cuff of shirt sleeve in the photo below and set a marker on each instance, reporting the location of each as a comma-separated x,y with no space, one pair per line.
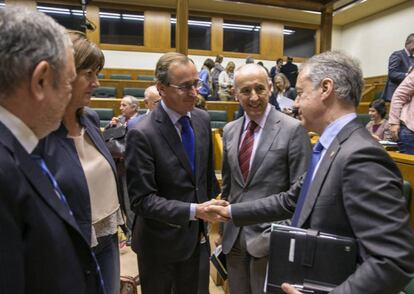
230,215
193,212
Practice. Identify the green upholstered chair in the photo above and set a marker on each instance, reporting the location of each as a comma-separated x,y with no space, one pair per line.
105,115
145,78
218,118
407,195
104,92
136,92
120,77
363,118
142,111
101,76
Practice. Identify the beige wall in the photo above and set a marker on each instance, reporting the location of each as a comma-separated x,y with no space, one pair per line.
373,39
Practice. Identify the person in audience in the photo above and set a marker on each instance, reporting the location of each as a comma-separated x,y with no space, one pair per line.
249,59
355,190
283,94
290,70
151,98
276,68
378,125
215,73
401,118
170,180
399,64
201,102
279,156
265,68
85,171
129,110
226,81
205,78
42,249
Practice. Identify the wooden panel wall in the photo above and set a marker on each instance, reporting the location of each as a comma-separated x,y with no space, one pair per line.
271,40
157,29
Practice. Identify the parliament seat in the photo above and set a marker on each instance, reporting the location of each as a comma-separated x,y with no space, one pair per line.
105,115
142,111
101,76
120,77
104,92
136,92
218,118
145,78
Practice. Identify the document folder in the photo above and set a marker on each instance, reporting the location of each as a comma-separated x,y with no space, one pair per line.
219,261
311,261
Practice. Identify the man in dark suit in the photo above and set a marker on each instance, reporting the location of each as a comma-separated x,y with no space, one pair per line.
355,189
170,178
42,249
279,156
399,64
290,70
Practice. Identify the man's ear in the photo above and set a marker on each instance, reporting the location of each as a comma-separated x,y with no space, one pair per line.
41,78
326,87
161,88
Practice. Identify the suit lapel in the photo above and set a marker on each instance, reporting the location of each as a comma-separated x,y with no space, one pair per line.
269,133
169,132
323,169
34,175
233,149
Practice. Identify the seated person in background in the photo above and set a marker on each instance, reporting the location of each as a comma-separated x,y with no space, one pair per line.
129,109
151,98
201,102
378,125
283,93
226,81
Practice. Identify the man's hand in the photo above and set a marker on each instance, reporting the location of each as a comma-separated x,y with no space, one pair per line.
114,121
211,216
223,211
394,130
218,241
289,289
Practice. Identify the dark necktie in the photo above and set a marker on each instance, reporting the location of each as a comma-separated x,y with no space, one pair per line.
316,156
41,162
187,138
246,148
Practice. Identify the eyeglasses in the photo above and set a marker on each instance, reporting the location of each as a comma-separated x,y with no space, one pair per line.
259,90
187,86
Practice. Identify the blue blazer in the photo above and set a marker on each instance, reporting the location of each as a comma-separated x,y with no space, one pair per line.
398,65
41,247
62,159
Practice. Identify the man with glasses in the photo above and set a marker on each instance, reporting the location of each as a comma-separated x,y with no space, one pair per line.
265,152
170,180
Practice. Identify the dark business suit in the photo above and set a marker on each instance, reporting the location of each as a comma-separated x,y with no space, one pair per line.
356,192
42,249
161,186
398,65
290,70
62,159
280,159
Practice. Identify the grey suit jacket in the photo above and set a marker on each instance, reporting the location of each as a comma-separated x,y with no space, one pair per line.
280,159
161,185
356,192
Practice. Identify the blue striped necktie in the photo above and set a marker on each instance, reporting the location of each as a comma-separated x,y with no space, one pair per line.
45,170
187,138
316,156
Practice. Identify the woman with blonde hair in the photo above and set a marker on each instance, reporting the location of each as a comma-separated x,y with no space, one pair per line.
226,82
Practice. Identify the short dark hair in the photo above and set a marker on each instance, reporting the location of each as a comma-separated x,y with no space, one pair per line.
164,63
410,39
379,106
87,54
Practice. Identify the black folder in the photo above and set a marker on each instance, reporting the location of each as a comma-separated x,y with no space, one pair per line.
311,261
218,259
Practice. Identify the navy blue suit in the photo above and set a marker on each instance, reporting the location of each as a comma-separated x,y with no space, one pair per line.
42,249
398,65
62,159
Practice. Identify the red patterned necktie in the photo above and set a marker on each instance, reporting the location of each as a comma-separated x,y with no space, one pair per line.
246,148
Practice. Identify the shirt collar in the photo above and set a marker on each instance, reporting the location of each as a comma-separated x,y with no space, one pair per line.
174,116
19,129
334,128
261,122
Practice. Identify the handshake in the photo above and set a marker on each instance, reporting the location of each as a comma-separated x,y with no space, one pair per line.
213,211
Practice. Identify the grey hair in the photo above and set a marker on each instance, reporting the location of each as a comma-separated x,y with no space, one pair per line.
342,69
28,37
132,101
